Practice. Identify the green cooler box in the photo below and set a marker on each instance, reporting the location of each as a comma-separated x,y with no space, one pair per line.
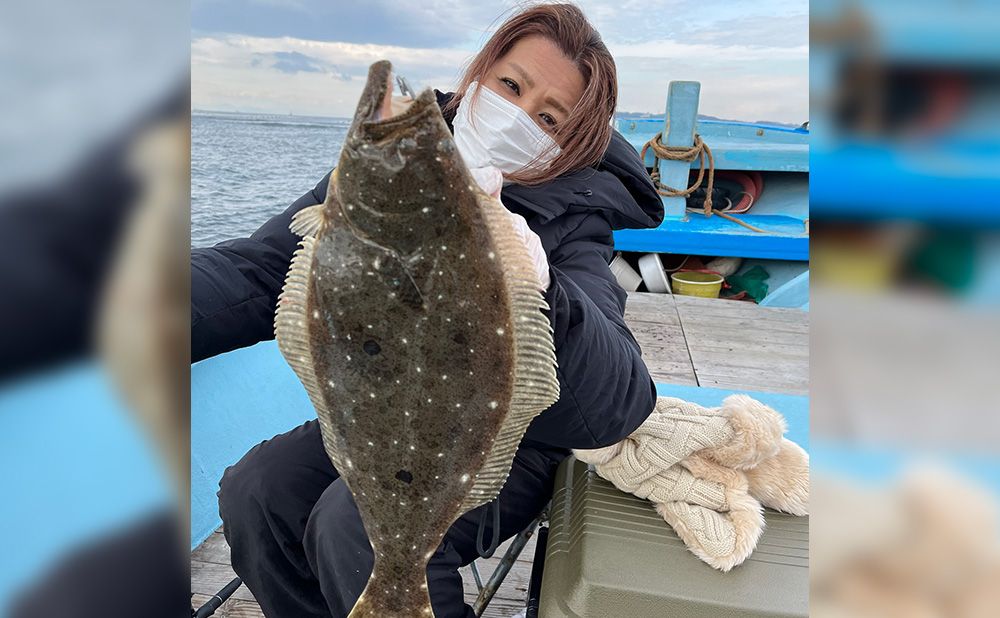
610,555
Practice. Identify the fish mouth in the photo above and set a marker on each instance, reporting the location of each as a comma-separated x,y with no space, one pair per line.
378,108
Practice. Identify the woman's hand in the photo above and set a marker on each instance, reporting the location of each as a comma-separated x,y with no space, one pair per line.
490,179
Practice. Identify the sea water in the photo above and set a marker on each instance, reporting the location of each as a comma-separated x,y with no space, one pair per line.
246,168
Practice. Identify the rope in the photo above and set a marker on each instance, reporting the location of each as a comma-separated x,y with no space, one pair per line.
698,150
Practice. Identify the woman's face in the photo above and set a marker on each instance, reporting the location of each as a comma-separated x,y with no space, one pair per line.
537,77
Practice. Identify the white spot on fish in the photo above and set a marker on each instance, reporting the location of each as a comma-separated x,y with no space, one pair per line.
499,331
440,454
458,405
413,448
444,376
419,370
493,405
461,256
330,382
350,207
464,478
350,464
425,210
444,247
348,356
491,255
372,395
407,412
370,443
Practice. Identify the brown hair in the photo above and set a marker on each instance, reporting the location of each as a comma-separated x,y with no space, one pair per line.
586,133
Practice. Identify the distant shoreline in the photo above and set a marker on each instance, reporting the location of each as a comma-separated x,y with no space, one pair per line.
619,115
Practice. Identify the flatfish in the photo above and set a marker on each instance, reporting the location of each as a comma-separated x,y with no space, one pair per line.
412,315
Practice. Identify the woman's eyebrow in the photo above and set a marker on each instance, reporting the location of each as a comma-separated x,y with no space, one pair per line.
524,74
557,105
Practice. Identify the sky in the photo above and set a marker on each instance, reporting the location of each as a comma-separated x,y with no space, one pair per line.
311,57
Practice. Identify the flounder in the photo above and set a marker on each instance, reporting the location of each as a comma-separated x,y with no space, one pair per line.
412,315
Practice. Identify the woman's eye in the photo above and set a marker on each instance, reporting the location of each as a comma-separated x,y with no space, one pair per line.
549,120
511,84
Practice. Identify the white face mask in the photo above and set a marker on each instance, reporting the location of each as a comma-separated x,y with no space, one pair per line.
500,134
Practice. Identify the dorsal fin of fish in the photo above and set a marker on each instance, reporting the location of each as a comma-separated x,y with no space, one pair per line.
308,221
536,384
291,331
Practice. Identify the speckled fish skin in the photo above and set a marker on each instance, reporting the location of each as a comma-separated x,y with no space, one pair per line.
412,315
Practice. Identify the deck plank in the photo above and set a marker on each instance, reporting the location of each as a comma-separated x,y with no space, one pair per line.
210,571
656,326
740,345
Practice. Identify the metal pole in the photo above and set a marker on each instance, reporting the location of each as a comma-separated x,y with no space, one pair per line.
500,573
537,570
218,599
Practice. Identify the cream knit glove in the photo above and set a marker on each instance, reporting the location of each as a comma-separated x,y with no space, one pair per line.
708,470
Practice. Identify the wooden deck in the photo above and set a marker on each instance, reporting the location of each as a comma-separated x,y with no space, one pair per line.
684,340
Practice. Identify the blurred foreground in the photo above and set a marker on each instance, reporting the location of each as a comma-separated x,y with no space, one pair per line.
94,131
905,322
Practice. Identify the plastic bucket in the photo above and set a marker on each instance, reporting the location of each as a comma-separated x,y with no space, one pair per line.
706,285
625,274
652,273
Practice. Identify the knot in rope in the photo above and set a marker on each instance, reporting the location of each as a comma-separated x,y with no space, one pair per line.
697,150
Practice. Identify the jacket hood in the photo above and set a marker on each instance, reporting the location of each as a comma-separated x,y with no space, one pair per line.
619,187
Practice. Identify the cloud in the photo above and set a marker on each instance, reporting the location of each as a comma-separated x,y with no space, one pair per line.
752,59
425,24
294,62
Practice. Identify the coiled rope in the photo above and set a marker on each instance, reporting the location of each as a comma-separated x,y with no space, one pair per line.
698,150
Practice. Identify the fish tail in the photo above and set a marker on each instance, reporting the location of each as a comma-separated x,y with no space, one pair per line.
386,597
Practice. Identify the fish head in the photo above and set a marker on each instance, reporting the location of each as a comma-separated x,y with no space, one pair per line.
400,179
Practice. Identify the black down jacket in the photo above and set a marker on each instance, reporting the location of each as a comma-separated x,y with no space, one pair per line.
606,390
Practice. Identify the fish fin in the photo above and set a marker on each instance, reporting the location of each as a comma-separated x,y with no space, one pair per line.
291,322
309,221
536,381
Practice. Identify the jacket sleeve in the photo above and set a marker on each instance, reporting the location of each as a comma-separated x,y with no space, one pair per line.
235,284
606,391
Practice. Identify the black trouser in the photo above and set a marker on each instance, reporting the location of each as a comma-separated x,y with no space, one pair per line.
298,542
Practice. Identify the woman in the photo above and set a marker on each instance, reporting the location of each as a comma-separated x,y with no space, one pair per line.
296,537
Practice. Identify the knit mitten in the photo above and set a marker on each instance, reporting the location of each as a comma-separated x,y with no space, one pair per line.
722,534
708,470
738,435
